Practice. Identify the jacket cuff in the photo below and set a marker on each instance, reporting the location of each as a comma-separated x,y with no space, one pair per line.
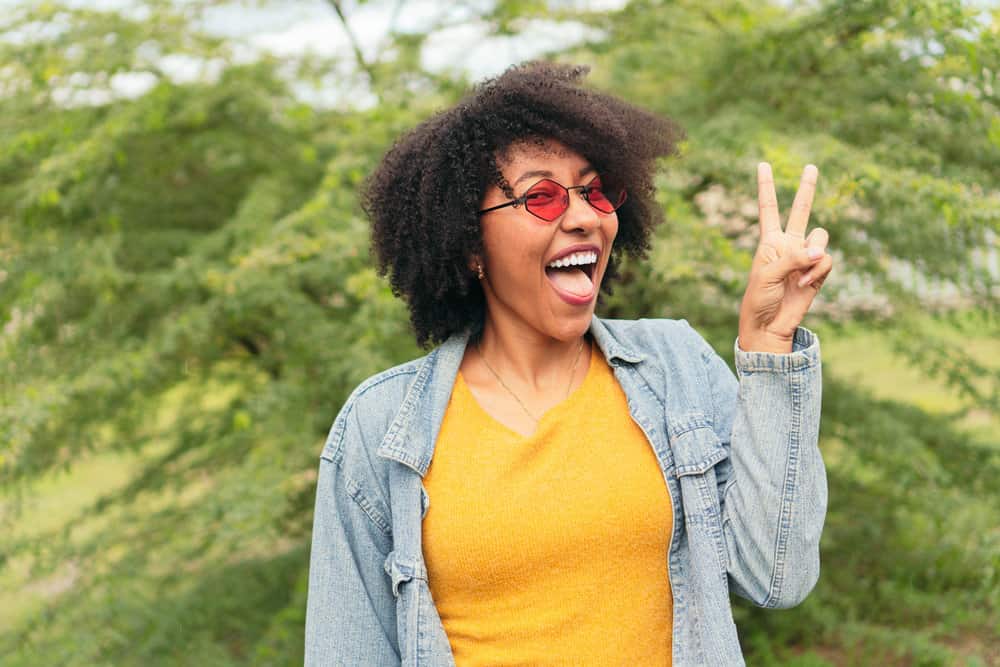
804,355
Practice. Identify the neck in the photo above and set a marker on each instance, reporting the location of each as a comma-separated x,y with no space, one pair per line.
528,356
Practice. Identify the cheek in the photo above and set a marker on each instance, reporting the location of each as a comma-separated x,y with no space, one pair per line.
609,230
513,249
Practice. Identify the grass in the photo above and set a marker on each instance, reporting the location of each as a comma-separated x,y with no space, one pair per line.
866,357
52,504
56,501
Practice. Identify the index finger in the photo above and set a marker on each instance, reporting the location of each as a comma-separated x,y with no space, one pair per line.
767,200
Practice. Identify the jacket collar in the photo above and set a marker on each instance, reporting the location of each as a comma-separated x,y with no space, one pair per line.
610,336
414,430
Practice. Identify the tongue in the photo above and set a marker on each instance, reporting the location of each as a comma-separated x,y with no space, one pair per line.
572,280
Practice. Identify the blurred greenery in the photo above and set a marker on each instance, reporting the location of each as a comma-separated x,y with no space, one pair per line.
187,298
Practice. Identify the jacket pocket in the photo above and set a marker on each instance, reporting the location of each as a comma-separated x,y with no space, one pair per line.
696,451
702,467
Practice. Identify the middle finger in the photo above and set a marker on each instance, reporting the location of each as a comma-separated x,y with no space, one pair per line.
798,218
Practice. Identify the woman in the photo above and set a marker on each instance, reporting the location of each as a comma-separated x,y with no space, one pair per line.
546,486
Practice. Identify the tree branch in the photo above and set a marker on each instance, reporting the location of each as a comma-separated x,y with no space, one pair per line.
352,38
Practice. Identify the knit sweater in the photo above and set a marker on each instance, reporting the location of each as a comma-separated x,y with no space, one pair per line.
550,549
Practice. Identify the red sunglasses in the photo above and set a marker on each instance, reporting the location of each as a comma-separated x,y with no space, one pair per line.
548,199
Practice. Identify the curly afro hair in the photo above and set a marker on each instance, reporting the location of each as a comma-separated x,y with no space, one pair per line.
423,199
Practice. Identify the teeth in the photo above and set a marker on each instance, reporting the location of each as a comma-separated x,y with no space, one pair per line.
575,259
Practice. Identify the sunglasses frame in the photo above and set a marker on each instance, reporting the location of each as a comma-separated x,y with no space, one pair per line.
523,199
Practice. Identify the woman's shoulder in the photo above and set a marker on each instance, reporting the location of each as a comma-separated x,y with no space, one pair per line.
371,406
656,336
658,324
391,380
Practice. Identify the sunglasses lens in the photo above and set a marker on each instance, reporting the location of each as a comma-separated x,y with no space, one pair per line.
604,198
547,200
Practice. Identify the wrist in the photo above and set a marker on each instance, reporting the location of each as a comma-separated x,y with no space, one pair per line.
764,341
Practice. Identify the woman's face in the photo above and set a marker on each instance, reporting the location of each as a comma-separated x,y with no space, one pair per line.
520,285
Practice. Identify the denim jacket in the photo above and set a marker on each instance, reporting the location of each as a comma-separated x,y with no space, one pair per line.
739,458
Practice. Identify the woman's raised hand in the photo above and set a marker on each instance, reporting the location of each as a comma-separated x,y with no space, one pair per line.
787,270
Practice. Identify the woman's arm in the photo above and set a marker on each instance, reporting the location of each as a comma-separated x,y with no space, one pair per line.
350,614
772,490
774,499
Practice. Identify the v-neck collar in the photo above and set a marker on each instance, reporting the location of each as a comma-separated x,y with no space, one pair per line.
567,403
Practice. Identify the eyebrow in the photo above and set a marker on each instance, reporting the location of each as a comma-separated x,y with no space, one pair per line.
548,174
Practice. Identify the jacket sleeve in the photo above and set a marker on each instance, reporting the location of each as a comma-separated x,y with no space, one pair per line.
774,502
350,612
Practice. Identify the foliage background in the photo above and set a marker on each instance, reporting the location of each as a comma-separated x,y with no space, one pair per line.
187,298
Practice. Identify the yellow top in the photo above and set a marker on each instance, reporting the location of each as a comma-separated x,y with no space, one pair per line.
550,549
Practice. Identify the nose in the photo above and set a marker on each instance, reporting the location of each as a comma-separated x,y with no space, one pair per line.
580,215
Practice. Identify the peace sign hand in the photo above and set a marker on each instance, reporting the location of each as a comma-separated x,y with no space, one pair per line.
787,270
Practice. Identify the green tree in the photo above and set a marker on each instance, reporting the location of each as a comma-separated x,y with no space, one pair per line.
184,279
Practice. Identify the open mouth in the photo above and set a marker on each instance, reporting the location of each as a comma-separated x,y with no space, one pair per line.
574,273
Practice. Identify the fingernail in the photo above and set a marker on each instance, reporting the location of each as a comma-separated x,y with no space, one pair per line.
814,253
805,280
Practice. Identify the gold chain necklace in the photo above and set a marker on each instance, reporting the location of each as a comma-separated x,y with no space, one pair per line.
510,391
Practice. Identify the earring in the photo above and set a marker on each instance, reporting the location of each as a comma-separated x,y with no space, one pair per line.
479,271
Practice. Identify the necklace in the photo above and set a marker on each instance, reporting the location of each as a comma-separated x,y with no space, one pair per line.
510,391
